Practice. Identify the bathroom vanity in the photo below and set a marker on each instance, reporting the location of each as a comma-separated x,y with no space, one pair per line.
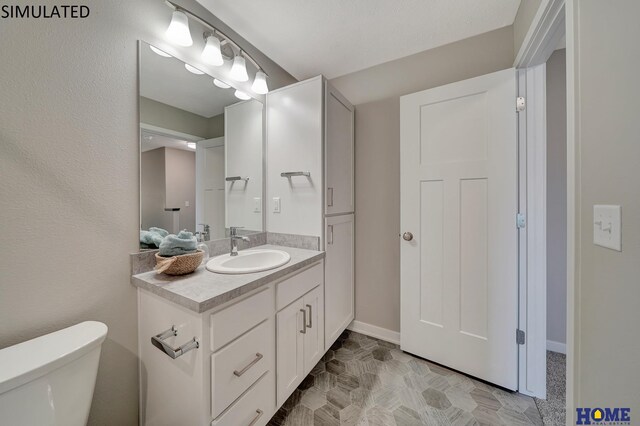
247,341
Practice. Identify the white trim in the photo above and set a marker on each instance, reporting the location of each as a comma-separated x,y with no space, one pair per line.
168,132
558,347
532,153
375,331
546,30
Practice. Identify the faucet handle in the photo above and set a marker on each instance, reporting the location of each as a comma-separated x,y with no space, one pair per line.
233,230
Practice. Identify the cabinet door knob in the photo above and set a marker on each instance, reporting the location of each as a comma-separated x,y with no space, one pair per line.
407,236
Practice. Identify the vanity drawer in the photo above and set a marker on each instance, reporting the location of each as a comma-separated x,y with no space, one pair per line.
231,322
298,285
236,367
254,408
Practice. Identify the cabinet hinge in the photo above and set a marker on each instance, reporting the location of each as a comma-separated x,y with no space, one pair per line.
521,220
520,104
520,337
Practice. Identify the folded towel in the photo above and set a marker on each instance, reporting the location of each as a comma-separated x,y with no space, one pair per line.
175,245
162,232
153,237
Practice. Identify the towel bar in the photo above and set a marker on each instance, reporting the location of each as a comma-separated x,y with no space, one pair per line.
235,178
289,174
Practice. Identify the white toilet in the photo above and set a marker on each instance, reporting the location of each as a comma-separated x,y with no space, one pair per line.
49,380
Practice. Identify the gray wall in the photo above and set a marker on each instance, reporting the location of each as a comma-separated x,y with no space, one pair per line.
605,67
376,92
153,190
69,161
180,171
526,12
557,197
172,118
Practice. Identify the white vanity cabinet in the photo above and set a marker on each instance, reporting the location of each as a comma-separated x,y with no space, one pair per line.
310,183
299,329
339,273
232,378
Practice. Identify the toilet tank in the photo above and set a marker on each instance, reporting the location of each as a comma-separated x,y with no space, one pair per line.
49,380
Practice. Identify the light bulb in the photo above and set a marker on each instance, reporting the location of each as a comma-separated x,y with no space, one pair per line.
211,53
260,83
178,31
239,69
242,95
159,52
193,69
220,84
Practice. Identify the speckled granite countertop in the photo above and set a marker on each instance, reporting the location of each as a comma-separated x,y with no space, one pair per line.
203,290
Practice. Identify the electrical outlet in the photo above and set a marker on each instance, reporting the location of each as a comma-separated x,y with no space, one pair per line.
276,204
257,204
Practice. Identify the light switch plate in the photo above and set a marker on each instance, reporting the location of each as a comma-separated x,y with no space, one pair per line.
257,204
276,204
607,226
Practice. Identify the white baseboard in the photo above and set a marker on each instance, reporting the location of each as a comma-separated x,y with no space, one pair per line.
556,347
375,331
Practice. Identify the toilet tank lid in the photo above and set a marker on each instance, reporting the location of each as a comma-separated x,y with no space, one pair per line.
28,360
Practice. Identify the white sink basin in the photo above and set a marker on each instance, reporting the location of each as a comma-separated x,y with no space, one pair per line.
248,261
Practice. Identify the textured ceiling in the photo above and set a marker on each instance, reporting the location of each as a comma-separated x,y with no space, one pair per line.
337,37
166,80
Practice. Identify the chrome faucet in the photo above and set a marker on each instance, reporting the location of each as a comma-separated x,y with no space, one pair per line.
234,237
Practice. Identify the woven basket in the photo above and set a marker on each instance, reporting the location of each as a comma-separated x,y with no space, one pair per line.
179,265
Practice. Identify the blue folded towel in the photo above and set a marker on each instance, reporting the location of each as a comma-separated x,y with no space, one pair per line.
175,245
153,237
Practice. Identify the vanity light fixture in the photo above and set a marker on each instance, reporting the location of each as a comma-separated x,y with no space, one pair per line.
220,84
260,83
213,52
178,31
241,95
159,52
239,69
193,69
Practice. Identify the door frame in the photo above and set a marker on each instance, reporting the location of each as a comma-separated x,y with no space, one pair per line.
201,145
546,30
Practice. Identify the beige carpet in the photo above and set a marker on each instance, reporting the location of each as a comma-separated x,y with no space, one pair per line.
553,409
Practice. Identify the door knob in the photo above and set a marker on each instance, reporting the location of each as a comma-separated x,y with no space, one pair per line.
407,236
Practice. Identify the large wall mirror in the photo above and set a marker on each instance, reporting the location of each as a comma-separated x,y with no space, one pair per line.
201,150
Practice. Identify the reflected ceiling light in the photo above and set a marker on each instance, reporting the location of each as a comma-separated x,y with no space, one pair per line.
242,95
211,53
159,52
239,69
178,31
191,145
193,69
220,84
260,83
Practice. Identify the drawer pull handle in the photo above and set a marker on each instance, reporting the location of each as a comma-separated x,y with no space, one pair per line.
310,319
159,342
251,364
304,321
255,419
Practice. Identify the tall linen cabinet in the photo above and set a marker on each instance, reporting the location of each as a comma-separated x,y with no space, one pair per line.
310,183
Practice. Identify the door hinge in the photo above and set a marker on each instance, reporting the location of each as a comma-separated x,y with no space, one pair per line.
520,337
521,220
520,104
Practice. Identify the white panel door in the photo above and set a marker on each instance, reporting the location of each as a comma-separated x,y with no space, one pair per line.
314,330
339,277
210,199
290,349
339,160
459,200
